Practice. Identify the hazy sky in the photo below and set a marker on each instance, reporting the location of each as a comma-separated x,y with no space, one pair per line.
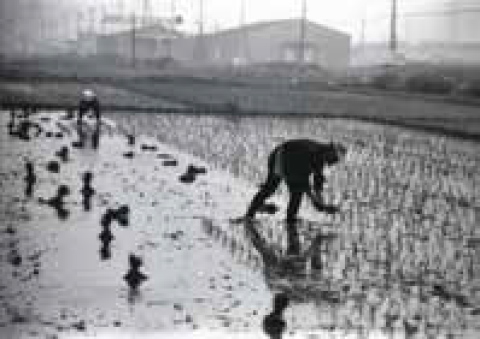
345,15
341,14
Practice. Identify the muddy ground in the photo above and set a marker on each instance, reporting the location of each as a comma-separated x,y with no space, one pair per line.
389,272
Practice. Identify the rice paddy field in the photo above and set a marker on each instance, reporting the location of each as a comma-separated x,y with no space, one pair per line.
403,260
408,253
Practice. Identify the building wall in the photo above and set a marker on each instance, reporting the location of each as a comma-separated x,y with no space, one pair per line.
114,46
266,43
120,46
260,43
36,26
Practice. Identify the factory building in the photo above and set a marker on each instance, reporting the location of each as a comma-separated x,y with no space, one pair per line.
269,42
266,42
149,43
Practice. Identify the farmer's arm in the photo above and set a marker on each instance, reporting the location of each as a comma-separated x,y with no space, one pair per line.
314,191
81,110
318,181
316,200
317,166
95,106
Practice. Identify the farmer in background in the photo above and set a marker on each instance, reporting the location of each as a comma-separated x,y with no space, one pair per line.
295,161
88,103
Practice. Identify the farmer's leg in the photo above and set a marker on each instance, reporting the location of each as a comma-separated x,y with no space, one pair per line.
96,136
98,125
80,131
81,113
267,189
297,190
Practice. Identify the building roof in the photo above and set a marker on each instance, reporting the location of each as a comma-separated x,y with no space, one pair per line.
269,24
159,31
154,31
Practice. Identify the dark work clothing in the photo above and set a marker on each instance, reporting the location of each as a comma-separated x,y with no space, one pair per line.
84,107
89,105
294,161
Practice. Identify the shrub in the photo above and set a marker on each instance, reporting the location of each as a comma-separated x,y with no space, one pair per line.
429,83
385,81
472,88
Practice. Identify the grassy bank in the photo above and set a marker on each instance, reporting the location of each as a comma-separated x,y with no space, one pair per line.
57,85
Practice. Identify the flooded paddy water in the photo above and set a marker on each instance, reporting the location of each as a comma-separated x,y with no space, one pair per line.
404,260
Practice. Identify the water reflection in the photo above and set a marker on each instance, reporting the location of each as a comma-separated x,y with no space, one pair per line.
87,190
58,202
30,179
120,214
63,153
106,237
134,278
274,324
360,288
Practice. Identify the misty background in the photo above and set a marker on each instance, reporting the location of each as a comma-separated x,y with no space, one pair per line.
53,26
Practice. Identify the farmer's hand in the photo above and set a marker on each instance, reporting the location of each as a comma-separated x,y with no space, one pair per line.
317,201
318,183
331,209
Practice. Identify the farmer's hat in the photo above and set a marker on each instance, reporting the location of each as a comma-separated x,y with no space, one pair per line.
88,94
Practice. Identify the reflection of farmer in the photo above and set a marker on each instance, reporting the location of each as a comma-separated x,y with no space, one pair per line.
89,103
295,161
273,324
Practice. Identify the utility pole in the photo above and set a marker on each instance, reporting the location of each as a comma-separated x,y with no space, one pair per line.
79,24
120,7
133,43
102,20
201,23
200,49
303,24
454,22
135,21
244,45
91,20
172,29
362,32
147,10
393,28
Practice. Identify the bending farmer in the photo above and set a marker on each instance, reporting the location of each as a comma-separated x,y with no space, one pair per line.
295,161
89,102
